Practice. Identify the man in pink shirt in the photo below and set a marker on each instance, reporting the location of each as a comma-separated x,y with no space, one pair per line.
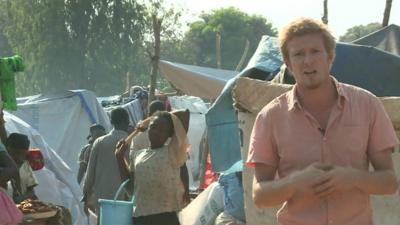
320,138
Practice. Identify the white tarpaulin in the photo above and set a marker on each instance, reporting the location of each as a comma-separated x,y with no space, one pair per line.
203,82
57,183
63,120
205,207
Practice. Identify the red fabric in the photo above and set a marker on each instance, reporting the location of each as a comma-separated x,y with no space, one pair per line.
35,159
9,213
210,176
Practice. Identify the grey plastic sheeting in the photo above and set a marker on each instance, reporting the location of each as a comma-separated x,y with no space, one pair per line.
386,39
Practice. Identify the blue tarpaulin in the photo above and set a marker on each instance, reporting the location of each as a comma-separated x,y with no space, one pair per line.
221,119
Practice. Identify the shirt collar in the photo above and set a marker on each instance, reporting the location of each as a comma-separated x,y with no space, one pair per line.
293,100
342,94
115,131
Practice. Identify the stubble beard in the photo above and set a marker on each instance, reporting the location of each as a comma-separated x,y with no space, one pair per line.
311,83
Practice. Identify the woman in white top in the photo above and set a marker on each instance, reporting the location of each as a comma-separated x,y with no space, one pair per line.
155,172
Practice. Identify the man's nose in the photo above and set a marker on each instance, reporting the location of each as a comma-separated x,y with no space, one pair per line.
308,58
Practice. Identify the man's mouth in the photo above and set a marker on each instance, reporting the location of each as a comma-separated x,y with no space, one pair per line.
310,72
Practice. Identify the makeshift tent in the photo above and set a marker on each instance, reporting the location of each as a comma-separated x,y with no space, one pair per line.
63,119
364,66
57,183
223,134
203,82
386,39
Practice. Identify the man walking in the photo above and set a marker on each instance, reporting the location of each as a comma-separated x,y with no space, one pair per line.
102,178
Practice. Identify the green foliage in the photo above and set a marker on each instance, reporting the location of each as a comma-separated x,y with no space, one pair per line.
113,43
93,44
359,31
174,50
162,24
34,36
169,17
70,44
5,48
234,27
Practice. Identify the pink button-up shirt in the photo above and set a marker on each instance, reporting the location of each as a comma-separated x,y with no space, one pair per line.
287,136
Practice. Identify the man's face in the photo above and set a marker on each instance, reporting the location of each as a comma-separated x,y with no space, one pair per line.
308,60
18,155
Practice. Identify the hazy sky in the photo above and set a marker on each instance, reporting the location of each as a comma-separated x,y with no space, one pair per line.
342,14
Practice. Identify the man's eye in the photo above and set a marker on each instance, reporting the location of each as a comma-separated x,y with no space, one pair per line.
298,54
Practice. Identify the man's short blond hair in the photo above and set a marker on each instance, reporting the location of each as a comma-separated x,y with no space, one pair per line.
303,26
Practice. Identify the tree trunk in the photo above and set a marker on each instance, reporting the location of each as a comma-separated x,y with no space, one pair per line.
128,82
325,16
386,13
218,49
244,55
156,56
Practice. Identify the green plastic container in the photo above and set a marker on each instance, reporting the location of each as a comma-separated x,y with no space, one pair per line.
8,67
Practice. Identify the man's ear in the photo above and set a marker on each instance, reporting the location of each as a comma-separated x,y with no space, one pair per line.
288,66
331,59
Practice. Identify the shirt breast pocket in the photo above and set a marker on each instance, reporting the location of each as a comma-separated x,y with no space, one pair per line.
353,144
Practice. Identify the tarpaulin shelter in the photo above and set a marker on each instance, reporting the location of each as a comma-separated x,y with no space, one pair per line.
386,39
63,119
223,133
203,82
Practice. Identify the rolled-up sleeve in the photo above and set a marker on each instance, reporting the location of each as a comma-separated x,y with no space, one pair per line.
262,147
382,135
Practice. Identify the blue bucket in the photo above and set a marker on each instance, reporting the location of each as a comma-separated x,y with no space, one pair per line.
115,212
